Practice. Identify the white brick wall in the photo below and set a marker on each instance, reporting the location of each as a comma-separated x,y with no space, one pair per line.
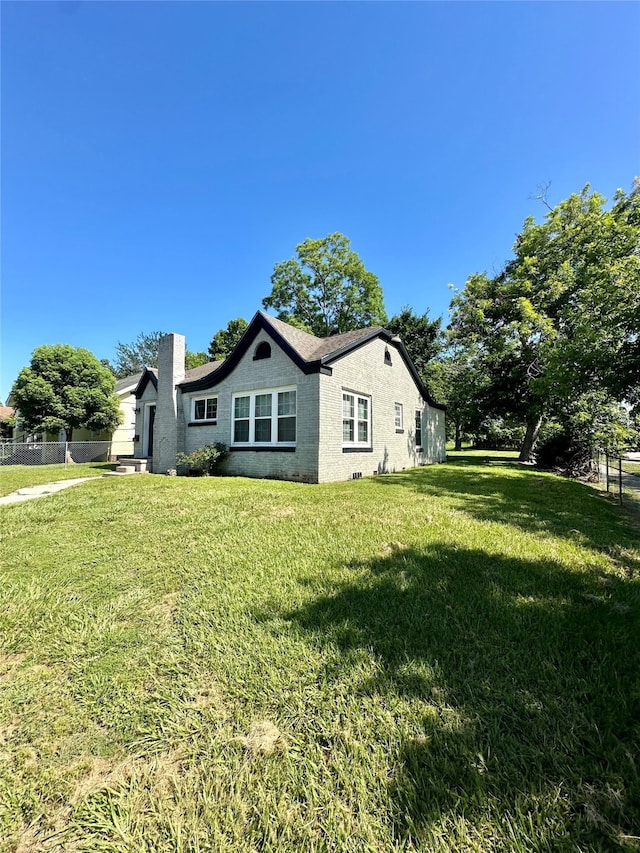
270,373
364,370
168,431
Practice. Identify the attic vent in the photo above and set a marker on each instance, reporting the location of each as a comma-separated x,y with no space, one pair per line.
263,350
387,356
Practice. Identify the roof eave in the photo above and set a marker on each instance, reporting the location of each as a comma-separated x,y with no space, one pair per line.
258,323
146,377
389,338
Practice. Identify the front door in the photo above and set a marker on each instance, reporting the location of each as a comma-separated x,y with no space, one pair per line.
150,412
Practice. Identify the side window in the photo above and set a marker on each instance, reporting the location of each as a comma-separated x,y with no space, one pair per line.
399,417
204,409
418,428
356,420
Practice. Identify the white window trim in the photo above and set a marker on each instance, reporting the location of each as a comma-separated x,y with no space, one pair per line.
419,414
252,417
356,396
204,420
398,415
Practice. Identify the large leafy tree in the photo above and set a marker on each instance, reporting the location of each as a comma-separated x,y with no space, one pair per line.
422,336
225,340
326,289
143,352
562,313
135,356
603,343
457,380
65,387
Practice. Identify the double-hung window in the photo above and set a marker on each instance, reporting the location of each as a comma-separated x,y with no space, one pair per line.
264,418
418,429
398,417
356,420
204,409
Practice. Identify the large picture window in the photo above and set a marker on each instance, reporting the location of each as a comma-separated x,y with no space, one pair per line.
265,418
356,420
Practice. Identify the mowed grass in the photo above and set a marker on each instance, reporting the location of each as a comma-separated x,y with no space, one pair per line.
14,477
445,659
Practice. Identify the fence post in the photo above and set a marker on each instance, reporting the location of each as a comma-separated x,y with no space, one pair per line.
606,469
66,450
620,478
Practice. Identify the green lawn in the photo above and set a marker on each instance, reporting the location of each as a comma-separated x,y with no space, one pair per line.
445,659
631,467
14,477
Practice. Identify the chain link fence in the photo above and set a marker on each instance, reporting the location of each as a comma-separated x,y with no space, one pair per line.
619,474
61,453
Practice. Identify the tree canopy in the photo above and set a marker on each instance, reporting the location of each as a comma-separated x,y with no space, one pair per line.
326,289
143,352
422,336
562,315
225,340
456,380
64,388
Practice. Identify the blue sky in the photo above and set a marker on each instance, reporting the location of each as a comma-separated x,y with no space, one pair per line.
159,158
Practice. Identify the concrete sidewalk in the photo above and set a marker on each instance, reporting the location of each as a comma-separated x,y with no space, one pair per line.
30,492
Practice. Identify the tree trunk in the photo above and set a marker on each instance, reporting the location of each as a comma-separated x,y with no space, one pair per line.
458,438
68,433
530,438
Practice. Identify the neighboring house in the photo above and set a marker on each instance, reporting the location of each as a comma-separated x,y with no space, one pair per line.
121,438
7,417
292,406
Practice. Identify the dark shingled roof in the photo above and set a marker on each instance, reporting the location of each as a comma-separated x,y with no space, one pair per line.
302,342
127,381
311,348
309,352
202,371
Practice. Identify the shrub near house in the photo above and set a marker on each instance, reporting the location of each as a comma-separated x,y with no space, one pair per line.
205,460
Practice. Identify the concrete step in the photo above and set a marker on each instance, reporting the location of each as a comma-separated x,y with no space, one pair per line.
126,469
139,464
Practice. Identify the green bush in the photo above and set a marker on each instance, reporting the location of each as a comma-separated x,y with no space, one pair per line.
567,453
205,461
499,434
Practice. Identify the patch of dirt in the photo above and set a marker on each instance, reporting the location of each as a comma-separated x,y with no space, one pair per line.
8,663
264,738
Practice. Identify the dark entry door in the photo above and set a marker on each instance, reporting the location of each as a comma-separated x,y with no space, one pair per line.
152,417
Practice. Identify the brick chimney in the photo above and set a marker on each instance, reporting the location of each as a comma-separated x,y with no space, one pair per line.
171,351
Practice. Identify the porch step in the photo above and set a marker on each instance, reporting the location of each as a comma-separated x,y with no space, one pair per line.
126,469
139,465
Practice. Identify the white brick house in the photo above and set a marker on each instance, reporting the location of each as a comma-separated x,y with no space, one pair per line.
292,406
